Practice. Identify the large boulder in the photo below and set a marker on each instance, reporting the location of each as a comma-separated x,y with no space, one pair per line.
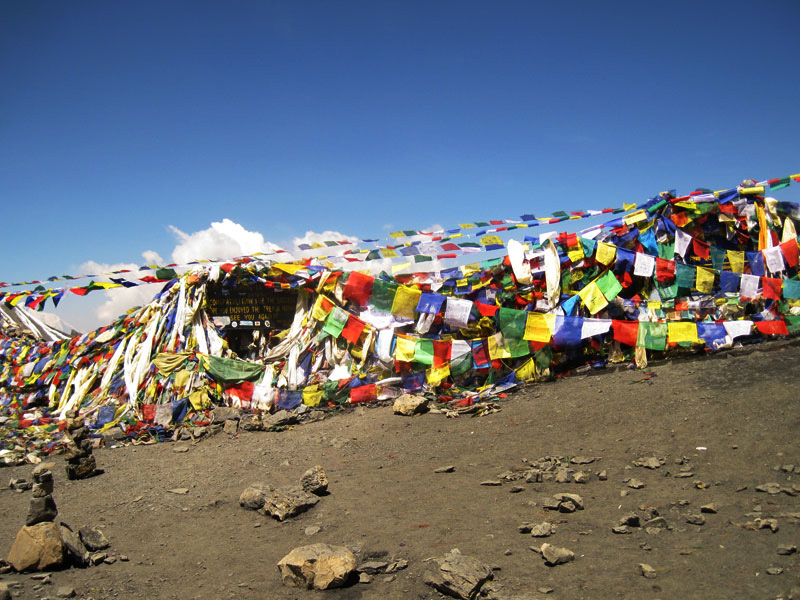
457,575
37,548
409,404
318,566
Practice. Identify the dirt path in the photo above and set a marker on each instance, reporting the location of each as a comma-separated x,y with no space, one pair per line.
729,420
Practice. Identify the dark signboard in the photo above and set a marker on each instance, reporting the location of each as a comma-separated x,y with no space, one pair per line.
252,305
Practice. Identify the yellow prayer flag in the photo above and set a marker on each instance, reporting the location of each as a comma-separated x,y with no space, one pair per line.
466,225
705,280
388,253
631,219
397,234
405,301
575,253
736,258
592,296
605,253
435,375
289,268
628,205
404,348
322,306
312,395
538,327
491,240
497,347
527,372
470,269
682,332
399,267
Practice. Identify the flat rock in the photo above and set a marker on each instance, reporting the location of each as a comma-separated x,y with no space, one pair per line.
446,469
769,488
574,498
457,575
492,482
225,413
580,477
37,548
582,460
179,491
543,530
281,418
709,508
648,462
73,545
250,422
93,539
318,566
554,555
787,549
315,481
696,519
656,522
288,501
65,591
635,484
409,404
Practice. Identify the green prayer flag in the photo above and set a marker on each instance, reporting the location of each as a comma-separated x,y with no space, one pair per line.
588,246
666,251
652,336
684,276
382,294
791,289
461,365
512,322
423,351
335,322
718,257
543,357
667,292
231,370
609,285
780,184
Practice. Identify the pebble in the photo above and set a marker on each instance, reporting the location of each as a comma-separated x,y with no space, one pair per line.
602,475
447,469
696,519
492,482
635,484
709,508
787,549
179,491
647,571
774,571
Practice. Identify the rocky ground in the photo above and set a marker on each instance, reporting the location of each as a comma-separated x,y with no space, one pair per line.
684,450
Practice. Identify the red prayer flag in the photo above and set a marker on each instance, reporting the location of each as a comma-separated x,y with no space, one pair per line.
771,287
665,269
625,332
441,352
364,393
352,330
790,252
487,310
701,249
771,327
358,288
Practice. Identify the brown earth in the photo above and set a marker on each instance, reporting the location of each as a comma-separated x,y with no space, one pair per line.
734,417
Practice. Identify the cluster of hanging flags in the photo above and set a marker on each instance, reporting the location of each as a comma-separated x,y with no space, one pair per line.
697,272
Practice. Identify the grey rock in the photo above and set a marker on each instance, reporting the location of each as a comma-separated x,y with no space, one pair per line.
573,498
279,419
250,422
656,522
562,475
534,476
75,549
492,482
85,467
253,497
567,506
696,519
225,413
315,481
516,489
318,566
457,575
544,529
374,567
580,477
554,555
65,591
409,404
774,571
621,530
312,530
93,539
97,557
41,509
630,519
769,488
20,484
787,549
288,501
231,427
649,462
364,578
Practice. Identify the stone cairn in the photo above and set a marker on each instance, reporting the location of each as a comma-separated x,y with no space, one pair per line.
80,462
43,507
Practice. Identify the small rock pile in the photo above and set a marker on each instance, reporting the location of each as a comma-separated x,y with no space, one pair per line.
80,462
288,501
41,545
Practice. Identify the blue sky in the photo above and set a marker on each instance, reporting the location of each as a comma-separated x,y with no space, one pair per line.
121,119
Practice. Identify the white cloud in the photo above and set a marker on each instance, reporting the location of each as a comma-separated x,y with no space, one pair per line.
223,240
